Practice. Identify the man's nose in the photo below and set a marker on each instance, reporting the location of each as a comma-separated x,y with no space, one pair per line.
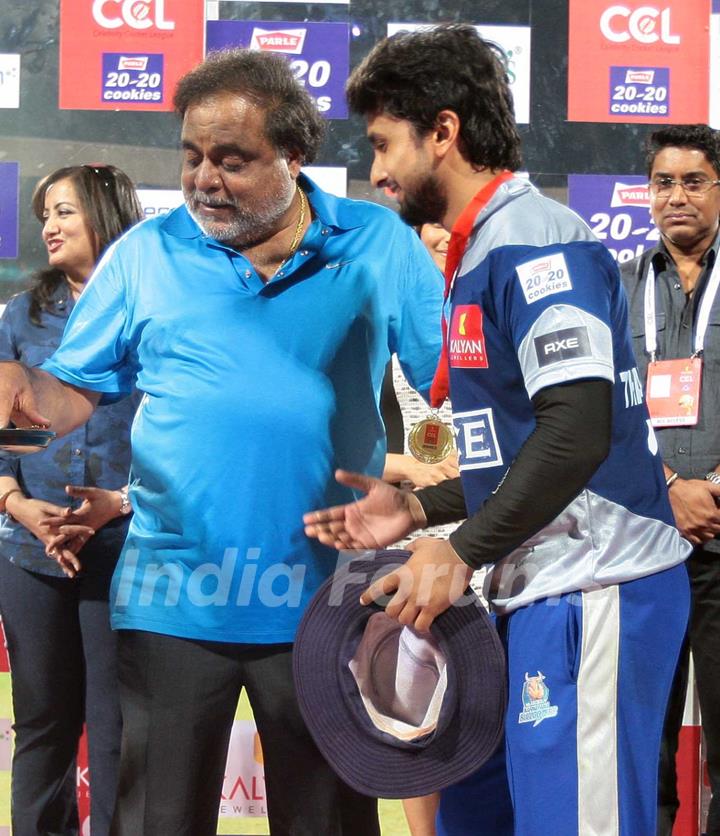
378,174
207,177
678,194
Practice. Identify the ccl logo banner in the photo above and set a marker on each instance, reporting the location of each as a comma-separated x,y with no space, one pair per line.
127,54
638,62
646,25
319,54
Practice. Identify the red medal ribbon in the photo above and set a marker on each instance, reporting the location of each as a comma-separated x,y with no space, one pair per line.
456,249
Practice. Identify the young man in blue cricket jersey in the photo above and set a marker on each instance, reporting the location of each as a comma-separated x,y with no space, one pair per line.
560,472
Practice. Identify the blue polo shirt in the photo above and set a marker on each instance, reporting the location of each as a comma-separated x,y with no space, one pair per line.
254,394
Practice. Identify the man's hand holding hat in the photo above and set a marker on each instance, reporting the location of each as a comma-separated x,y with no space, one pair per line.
433,578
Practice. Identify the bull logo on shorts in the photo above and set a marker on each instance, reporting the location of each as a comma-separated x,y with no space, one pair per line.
536,700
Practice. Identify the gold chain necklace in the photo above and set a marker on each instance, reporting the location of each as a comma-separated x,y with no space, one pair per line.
300,224
297,236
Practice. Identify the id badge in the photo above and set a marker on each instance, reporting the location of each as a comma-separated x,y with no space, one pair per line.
673,392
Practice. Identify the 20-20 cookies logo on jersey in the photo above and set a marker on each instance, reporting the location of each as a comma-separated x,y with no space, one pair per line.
544,276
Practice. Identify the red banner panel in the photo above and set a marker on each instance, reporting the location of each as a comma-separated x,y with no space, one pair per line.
127,54
636,62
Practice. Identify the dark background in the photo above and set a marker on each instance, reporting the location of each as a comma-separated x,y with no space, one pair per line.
42,137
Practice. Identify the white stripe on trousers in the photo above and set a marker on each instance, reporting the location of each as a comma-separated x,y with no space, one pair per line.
597,749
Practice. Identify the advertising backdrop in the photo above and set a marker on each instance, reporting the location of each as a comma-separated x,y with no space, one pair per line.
9,80
9,187
616,208
318,53
638,62
119,55
715,64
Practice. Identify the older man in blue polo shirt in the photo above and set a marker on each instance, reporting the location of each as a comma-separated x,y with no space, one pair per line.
257,320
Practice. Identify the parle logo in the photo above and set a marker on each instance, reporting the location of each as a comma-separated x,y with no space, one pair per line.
133,62
639,76
625,195
290,41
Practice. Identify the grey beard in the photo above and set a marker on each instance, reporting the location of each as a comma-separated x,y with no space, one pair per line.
244,227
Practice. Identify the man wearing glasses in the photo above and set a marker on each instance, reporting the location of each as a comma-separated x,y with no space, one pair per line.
675,318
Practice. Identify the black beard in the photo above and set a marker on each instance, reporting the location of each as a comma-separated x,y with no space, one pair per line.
425,203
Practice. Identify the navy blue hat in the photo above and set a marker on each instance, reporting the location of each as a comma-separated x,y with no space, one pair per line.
398,713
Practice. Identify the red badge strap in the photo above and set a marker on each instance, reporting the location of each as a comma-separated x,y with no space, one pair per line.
456,249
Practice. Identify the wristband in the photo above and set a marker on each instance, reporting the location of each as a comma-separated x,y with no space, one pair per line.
671,478
713,477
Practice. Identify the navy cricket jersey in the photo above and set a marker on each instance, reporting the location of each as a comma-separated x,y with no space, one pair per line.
538,302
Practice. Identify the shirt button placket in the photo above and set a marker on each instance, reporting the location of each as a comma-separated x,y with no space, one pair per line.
77,466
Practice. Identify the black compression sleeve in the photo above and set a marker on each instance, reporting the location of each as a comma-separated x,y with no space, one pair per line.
571,439
444,502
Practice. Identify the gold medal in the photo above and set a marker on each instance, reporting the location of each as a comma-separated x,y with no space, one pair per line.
430,441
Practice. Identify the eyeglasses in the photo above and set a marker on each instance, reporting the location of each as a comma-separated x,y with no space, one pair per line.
104,174
664,186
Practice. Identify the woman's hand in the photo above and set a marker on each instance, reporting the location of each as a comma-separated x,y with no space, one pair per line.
403,468
98,507
34,515
70,530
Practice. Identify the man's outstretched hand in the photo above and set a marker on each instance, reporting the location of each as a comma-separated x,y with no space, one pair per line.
383,516
434,576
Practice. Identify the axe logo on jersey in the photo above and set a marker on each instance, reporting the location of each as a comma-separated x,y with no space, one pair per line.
565,344
467,342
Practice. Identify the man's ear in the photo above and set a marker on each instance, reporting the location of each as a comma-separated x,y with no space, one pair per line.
294,163
446,132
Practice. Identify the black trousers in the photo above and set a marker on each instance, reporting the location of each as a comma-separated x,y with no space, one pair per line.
63,673
179,699
704,640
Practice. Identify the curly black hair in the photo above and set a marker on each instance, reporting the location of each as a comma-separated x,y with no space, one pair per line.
415,75
700,137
